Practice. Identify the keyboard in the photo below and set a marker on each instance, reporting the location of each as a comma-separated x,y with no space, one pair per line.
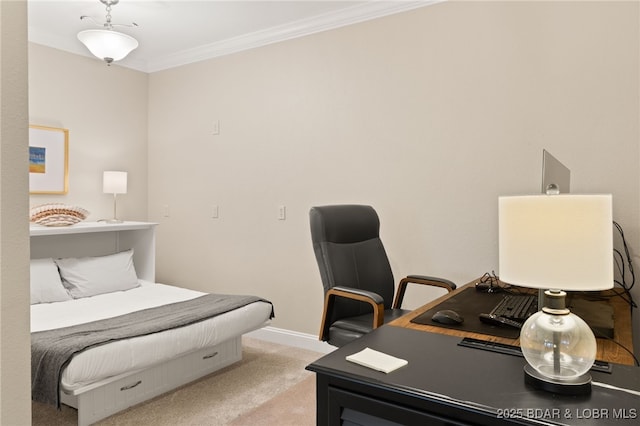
516,307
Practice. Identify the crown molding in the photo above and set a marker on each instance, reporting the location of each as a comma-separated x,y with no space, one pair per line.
352,15
358,13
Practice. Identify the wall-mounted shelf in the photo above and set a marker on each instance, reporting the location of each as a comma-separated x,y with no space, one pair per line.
98,239
87,227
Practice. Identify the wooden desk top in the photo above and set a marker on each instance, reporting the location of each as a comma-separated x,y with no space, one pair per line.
608,350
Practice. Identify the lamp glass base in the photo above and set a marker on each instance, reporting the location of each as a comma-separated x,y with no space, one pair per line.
580,385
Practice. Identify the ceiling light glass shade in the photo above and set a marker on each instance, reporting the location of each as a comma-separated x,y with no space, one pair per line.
108,45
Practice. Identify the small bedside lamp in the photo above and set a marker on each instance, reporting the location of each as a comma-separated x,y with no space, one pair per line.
557,242
114,183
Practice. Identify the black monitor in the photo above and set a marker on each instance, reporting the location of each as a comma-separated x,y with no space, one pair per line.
556,177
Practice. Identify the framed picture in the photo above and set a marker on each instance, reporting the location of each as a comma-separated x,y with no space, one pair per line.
48,160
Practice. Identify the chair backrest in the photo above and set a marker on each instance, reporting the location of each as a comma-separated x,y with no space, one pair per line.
349,251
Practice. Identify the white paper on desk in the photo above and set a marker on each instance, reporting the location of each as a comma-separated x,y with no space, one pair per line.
377,360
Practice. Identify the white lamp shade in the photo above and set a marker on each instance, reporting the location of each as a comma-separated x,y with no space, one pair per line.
562,242
108,43
114,182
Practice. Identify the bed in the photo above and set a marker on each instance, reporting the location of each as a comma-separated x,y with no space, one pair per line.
67,293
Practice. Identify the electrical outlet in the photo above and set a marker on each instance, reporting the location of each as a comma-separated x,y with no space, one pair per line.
282,212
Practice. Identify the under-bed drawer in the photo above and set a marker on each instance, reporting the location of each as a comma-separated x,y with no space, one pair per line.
203,362
95,402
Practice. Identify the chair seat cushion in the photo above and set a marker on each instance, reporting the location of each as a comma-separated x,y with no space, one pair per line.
348,329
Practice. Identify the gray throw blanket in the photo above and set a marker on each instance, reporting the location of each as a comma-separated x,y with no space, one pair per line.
52,350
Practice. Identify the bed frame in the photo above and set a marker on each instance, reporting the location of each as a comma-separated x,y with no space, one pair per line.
102,399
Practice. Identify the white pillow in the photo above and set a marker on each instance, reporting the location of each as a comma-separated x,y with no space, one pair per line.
90,276
46,286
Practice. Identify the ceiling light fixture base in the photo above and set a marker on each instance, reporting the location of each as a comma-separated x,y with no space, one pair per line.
107,44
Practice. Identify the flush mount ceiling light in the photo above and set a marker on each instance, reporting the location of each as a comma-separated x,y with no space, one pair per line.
107,44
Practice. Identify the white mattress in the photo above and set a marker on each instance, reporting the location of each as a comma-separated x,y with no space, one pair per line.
138,353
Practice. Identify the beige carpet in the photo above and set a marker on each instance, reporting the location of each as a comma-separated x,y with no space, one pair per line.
268,387
295,406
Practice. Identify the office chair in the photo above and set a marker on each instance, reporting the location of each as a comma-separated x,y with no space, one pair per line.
355,272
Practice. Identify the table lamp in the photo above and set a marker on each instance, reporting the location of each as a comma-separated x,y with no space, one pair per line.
558,243
114,183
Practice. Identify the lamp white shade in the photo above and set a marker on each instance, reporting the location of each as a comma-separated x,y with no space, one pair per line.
108,44
114,182
562,242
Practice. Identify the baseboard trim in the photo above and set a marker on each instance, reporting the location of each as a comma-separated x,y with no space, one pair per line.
291,338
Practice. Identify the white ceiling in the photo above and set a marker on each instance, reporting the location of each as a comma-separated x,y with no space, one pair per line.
177,32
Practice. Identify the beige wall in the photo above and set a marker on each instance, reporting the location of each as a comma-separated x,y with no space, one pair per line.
15,408
428,115
105,110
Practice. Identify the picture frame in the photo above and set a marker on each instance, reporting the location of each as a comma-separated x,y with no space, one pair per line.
48,160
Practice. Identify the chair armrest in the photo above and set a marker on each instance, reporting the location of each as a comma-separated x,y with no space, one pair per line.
357,294
423,280
436,281
374,299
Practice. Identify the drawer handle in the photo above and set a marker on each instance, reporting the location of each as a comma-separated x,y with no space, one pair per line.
124,388
210,356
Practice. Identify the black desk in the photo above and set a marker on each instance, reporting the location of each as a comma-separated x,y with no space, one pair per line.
448,384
